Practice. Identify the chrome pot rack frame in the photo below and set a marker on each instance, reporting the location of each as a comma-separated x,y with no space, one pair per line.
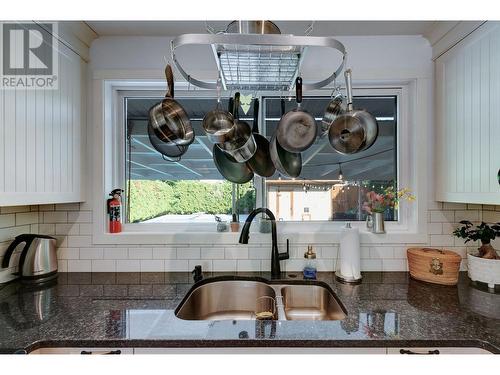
257,61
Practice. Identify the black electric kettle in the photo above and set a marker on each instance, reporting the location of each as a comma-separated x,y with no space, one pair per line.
38,259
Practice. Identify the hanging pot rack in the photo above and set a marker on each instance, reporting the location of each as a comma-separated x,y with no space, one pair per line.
257,61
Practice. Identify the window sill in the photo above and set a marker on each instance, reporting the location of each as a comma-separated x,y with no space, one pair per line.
231,238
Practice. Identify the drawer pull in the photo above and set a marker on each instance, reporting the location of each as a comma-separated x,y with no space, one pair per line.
101,353
404,351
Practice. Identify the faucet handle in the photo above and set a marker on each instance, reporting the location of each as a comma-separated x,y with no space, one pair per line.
286,255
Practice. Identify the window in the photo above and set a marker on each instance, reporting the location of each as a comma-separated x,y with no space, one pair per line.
191,190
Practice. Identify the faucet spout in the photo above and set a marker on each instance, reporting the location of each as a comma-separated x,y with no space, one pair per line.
276,256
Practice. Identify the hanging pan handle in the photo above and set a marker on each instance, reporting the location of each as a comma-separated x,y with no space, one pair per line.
170,81
255,127
298,90
348,87
236,105
282,107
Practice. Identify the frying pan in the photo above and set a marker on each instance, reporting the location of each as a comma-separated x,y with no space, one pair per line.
355,130
169,120
228,167
287,163
297,129
260,163
334,109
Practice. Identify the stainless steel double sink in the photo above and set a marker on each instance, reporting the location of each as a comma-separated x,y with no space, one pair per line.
230,298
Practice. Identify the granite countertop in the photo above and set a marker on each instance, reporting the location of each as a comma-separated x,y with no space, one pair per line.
388,309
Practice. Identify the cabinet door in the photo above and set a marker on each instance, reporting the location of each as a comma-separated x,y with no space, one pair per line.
434,351
263,350
41,135
86,351
468,119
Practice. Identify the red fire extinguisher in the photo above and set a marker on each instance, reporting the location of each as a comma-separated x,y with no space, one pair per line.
114,205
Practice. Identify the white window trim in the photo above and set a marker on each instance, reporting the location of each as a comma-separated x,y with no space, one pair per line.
108,153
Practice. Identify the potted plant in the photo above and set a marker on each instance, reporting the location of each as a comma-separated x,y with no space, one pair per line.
377,203
485,265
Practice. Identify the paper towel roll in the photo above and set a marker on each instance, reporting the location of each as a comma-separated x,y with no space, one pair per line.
350,253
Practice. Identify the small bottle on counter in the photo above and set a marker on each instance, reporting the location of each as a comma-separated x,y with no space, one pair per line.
310,267
235,224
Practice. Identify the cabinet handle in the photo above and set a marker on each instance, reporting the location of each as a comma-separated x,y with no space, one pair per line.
404,351
102,353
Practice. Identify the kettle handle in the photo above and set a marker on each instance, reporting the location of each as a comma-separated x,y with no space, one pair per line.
8,253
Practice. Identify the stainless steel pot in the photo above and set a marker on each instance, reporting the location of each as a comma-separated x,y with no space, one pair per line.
334,109
169,120
297,129
355,130
252,27
242,145
218,123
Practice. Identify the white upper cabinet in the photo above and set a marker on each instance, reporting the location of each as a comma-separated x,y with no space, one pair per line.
42,137
468,119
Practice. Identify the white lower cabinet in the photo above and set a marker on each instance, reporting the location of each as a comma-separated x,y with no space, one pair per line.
89,351
250,350
437,351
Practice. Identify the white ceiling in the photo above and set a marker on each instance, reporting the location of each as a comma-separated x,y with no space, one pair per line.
321,28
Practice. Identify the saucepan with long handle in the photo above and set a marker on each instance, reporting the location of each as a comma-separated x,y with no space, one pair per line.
168,119
354,131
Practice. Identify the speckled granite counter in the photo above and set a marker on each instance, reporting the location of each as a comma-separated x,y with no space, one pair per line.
137,310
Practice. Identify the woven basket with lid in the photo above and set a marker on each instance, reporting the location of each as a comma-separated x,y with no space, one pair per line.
434,265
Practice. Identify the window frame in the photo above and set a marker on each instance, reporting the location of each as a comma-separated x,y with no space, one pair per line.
411,223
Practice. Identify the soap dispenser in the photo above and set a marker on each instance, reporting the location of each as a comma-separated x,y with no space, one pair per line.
310,267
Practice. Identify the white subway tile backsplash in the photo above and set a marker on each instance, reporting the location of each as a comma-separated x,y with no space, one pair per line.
206,264
262,252
442,216
67,229
140,253
441,240
85,229
152,265
238,252
62,265
248,265
224,265
188,253
115,253
491,216
470,215
8,220
91,253
79,265
68,253
176,265
80,217
68,207
128,265
212,253
72,225
164,253
394,265
79,241
381,252
102,265
54,217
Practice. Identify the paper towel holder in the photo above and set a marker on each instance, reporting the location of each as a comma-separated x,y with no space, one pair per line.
345,278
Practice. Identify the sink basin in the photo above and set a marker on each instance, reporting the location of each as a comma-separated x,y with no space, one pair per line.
310,302
235,299
222,300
